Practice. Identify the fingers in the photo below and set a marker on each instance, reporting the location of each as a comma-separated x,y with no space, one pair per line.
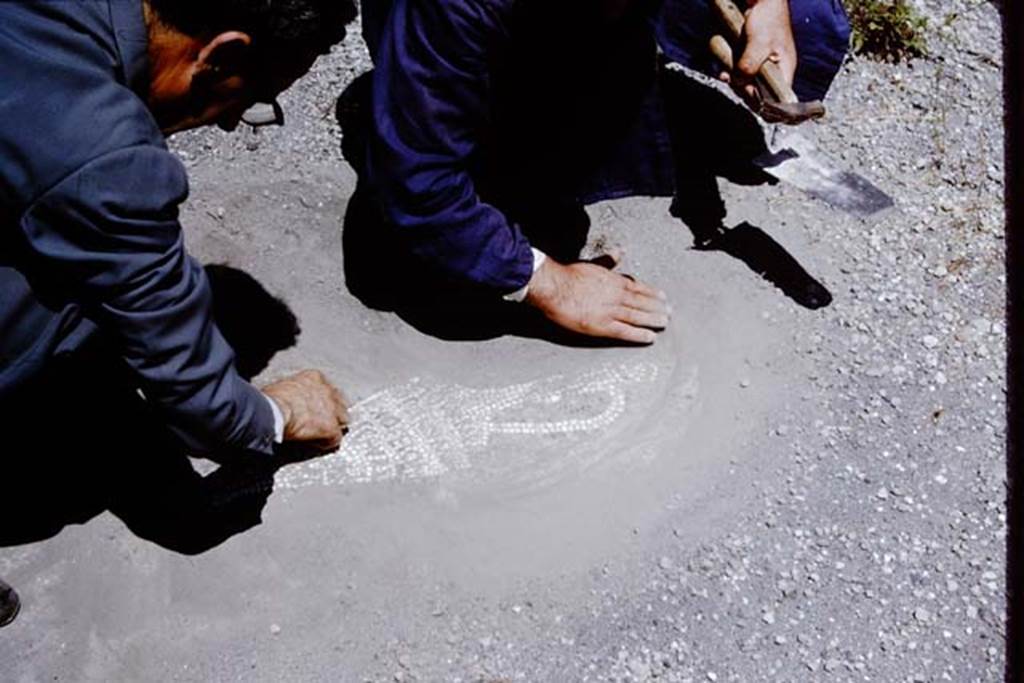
334,400
787,64
588,299
642,311
326,444
315,410
755,54
643,289
335,416
769,37
322,432
637,318
340,406
629,333
646,304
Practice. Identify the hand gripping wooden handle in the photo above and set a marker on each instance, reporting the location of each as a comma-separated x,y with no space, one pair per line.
770,73
722,51
791,113
731,16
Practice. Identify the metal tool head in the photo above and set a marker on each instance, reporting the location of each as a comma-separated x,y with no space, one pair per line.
795,160
773,110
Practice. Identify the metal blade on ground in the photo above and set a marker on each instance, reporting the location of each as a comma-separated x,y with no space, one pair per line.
797,162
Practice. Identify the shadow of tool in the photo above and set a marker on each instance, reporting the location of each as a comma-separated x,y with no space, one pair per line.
111,452
766,257
713,137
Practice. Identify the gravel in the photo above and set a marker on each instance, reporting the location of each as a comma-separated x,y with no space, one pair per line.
875,550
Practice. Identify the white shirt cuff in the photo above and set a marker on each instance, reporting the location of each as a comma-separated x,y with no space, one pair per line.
278,420
519,295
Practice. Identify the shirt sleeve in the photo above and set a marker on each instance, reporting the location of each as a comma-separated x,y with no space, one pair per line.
429,112
108,235
278,419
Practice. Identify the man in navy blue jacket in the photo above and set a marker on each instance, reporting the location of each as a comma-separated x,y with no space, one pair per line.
491,118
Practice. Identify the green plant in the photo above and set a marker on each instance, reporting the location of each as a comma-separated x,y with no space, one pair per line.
887,30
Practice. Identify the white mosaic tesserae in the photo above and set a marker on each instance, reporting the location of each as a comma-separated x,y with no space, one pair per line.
420,430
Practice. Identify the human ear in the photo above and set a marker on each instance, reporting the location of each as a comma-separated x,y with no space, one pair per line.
223,57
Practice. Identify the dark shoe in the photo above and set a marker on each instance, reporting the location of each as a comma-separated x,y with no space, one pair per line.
10,604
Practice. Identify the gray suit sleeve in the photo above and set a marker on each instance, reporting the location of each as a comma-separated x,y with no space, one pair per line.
108,234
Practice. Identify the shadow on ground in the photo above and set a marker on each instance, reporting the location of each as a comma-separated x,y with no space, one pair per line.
712,138
108,451
716,138
385,279
769,259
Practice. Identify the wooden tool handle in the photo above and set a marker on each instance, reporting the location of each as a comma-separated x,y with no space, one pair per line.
722,51
772,76
770,73
732,17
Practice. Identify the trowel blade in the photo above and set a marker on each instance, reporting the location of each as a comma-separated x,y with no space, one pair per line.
798,162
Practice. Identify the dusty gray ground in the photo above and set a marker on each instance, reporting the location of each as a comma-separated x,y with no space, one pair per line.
768,493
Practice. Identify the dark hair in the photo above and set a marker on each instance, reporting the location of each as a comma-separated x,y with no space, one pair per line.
274,25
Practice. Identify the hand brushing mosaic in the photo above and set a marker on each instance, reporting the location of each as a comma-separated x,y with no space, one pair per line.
420,430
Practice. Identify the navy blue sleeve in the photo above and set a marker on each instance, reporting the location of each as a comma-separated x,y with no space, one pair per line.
429,106
110,233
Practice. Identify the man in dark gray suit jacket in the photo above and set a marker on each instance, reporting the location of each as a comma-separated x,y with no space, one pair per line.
99,301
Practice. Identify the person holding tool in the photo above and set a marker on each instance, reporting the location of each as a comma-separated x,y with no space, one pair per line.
492,123
100,305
